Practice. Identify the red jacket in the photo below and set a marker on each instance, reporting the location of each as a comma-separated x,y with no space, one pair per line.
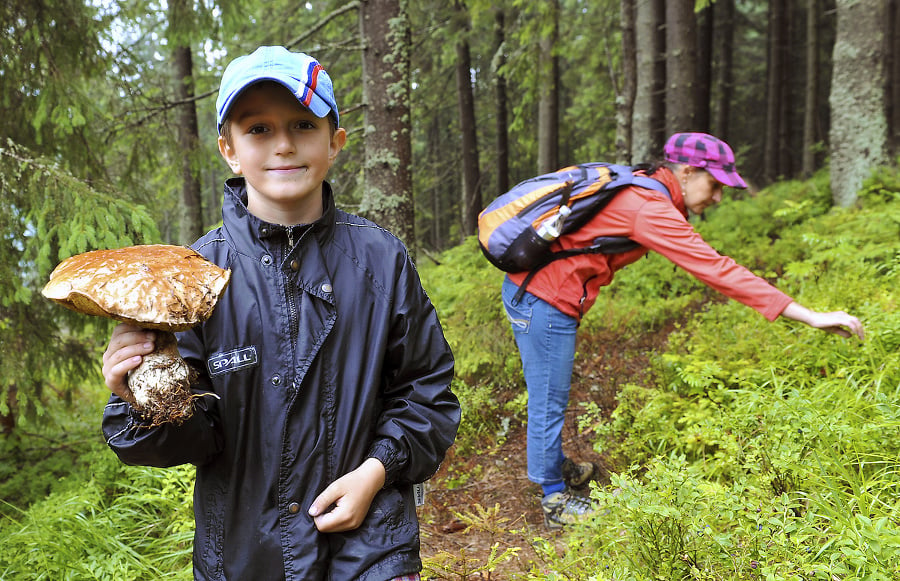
657,223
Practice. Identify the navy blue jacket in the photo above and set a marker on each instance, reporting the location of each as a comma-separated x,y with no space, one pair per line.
321,355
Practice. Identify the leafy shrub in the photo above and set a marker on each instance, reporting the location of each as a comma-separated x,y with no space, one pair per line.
49,452
750,451
465,289
767,450
672,522
643,296
123,523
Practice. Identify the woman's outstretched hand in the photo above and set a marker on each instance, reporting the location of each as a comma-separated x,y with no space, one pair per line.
837,322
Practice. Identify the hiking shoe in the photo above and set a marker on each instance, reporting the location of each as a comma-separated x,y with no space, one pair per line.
579,474
563,508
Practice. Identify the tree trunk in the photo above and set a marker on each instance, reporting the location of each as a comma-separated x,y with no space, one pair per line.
775,89
625,99
468,128
191,222
548,106
705,29
724,49
439,182
893,91
648,119
681,66
387,190
502,102
858,138
812,88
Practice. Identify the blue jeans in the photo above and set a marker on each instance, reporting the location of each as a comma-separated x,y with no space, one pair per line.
546,340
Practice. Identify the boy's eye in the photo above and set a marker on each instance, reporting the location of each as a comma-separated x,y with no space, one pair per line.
305,124
256,129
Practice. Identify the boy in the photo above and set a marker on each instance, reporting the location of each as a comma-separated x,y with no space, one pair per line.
338,396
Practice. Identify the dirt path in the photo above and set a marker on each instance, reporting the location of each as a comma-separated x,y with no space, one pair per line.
499,478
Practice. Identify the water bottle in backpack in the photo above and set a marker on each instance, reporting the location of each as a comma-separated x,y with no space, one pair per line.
551,228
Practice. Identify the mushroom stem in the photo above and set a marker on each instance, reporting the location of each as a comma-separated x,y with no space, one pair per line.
161,384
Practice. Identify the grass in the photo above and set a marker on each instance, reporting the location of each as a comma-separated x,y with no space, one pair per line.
748,451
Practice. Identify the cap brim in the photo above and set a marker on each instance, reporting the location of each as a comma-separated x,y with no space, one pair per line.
731,179
317,105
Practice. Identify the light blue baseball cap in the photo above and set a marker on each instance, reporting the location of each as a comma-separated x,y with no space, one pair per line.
301,74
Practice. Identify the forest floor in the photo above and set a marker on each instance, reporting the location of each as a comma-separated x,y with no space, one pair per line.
498,476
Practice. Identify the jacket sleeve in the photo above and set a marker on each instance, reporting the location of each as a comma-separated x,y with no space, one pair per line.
135,442
421,414
661,228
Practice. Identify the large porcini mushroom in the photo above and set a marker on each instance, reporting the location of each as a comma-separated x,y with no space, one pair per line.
156,286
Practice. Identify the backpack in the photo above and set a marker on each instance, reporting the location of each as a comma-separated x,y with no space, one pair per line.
516,229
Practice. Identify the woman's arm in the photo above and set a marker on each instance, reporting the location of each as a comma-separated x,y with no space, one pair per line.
837,322
659,228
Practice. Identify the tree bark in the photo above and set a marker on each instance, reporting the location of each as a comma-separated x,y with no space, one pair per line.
625,98
681,66
775,89
705,29
858,137
471,173
548,106
387,190
191,217
724,49
439,180
893,84
502,122
648,123
808,159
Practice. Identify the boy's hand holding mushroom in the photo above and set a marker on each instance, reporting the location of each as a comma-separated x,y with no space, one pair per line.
126,350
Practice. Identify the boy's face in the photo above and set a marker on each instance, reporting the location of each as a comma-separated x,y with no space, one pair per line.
283,151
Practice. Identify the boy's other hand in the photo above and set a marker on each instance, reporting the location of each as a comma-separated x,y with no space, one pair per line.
127,346
344,504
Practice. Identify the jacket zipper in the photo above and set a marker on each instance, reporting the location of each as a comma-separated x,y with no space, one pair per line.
294,318
584,294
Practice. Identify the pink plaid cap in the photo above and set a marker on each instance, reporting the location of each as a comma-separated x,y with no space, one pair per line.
707,152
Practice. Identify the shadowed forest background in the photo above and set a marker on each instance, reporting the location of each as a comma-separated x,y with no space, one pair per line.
732,448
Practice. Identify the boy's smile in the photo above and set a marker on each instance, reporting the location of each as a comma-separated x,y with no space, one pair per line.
283,151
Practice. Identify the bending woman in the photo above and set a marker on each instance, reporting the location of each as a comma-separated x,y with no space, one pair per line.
545,320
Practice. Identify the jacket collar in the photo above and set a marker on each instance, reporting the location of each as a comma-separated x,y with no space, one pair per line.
250,230
669,180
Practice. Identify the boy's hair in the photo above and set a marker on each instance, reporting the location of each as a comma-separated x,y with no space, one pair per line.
301,74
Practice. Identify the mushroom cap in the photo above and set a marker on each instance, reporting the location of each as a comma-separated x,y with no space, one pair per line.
154,286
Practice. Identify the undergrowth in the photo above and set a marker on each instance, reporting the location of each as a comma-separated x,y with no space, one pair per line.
751,450
755,450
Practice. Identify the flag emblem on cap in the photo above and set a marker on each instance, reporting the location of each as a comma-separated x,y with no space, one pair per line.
309,88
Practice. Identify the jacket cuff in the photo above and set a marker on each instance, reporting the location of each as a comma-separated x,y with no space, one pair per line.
386,452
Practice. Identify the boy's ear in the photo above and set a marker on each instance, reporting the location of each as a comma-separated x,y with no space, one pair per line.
337,144
229,155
